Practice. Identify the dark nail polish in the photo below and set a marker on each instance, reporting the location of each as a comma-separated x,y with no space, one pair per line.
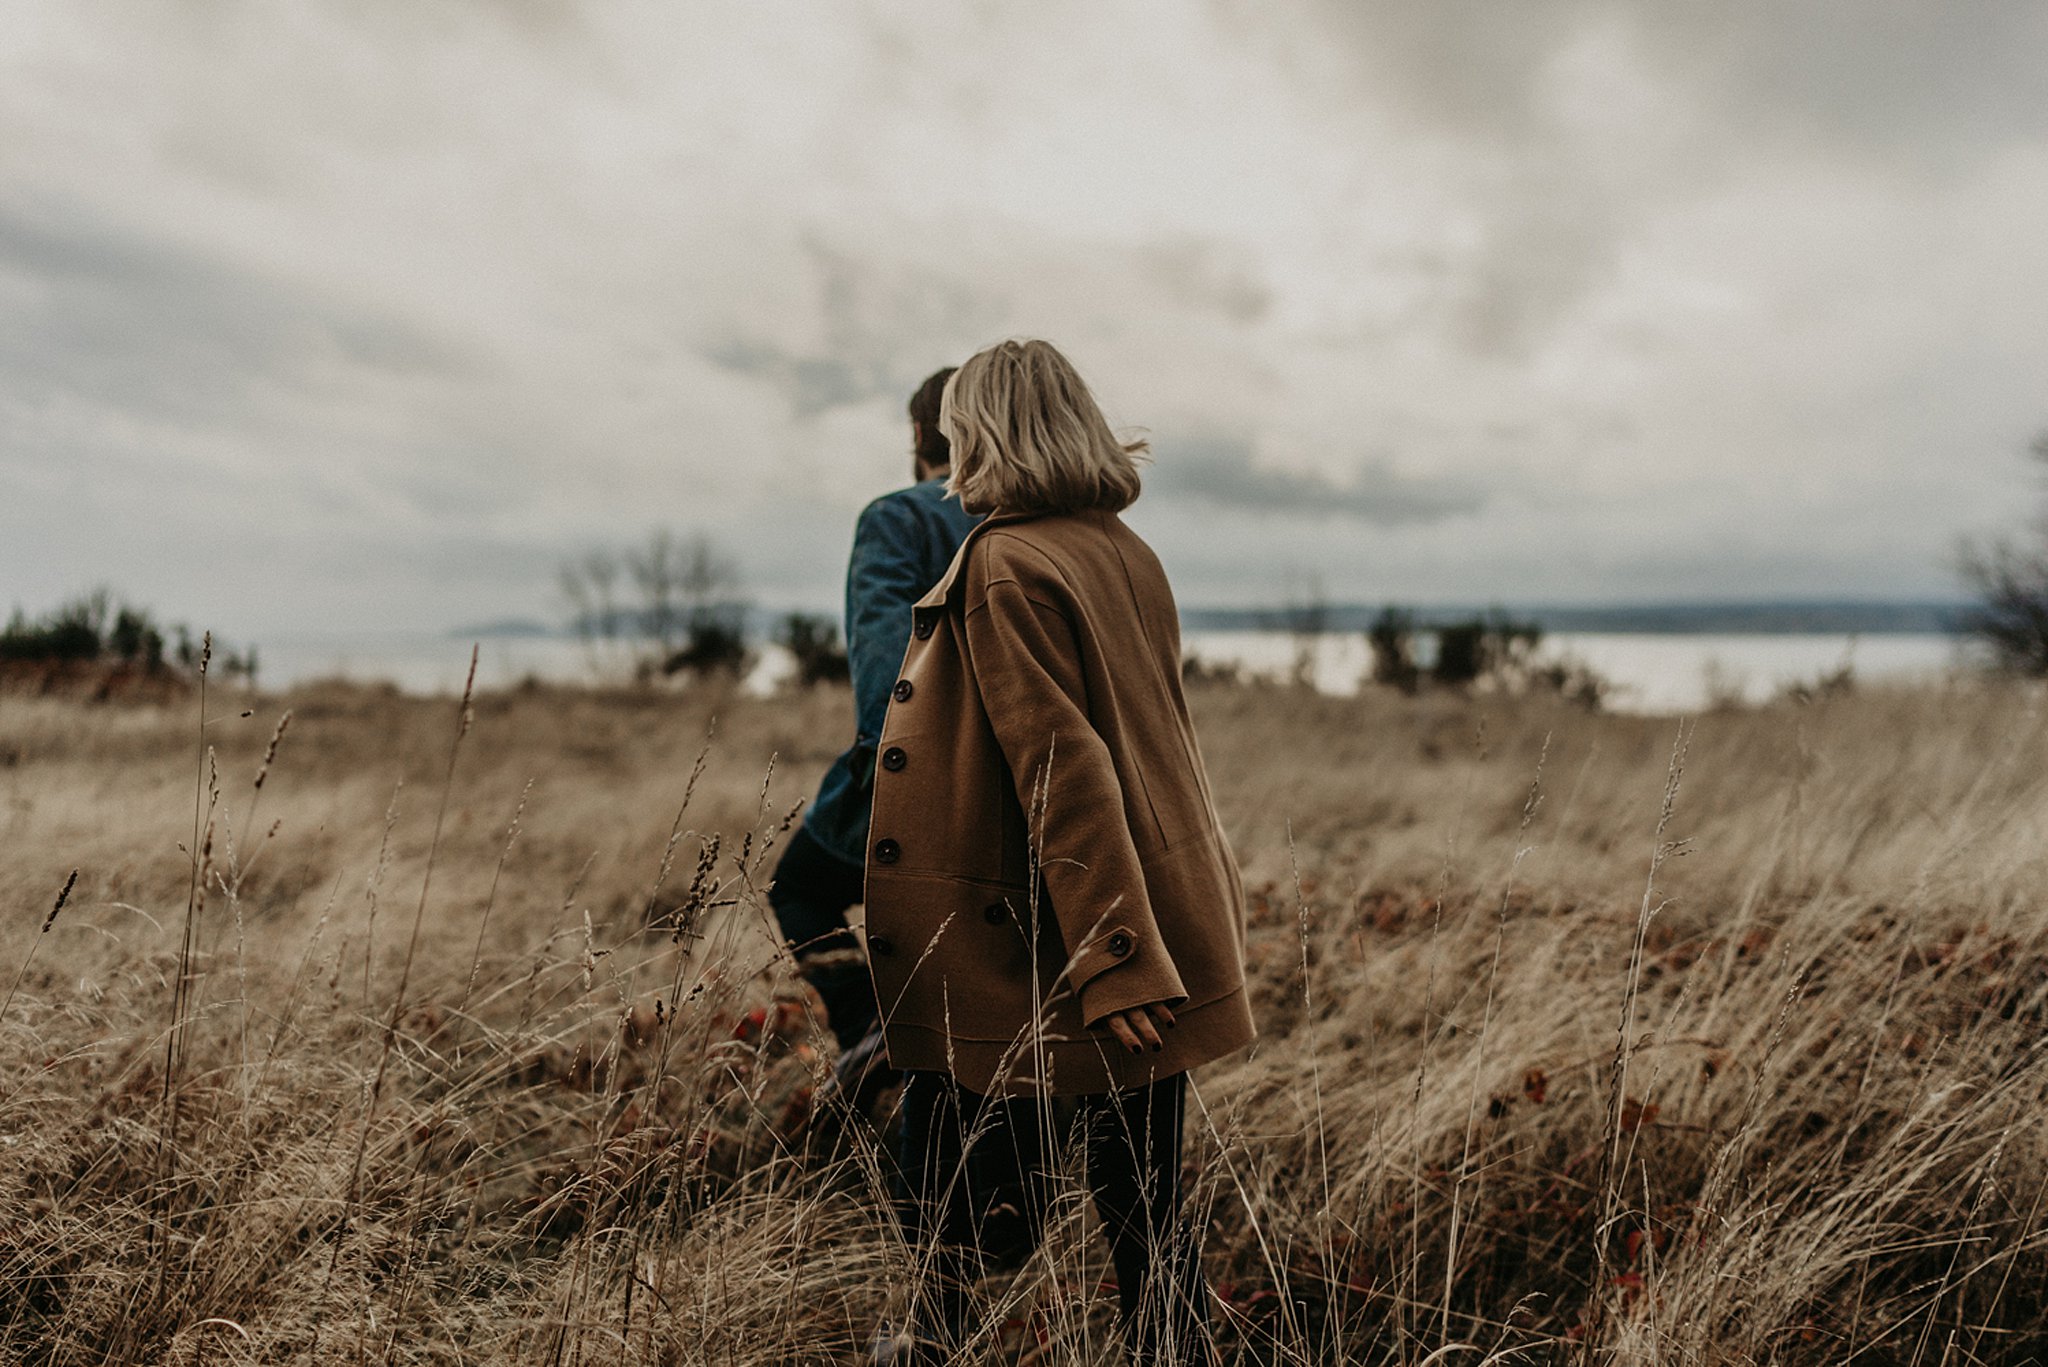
1137,1049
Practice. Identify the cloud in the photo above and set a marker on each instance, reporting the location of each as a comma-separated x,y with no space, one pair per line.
357,312
1223,474
1888,76
879,323
1208,276
117,318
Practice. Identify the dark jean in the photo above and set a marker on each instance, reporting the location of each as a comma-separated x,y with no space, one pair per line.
976,1175
812,891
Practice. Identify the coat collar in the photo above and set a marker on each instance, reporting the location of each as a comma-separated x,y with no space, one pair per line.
949,586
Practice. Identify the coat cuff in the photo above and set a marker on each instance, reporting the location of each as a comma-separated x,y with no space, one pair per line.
1120,967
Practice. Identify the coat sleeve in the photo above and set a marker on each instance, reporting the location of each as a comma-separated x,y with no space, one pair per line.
1027,667
882,582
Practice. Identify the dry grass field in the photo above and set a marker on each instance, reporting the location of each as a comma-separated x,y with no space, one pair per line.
1584,1038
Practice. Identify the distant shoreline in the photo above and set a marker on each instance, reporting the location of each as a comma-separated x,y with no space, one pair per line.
1792,617
1765,617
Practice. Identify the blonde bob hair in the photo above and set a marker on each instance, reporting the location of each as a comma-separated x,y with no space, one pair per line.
1027,436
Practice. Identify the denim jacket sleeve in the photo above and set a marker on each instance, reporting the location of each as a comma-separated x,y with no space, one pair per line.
883,578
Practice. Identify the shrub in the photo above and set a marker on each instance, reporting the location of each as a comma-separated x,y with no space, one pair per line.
1196,669
1392,639
90,627
2011,580
814,641
1492,646
1490,651
135,637
713,644
1573,680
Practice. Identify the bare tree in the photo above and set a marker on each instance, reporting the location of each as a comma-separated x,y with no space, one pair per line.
590,583
661,569
713,618
709,581
2010,577
684,611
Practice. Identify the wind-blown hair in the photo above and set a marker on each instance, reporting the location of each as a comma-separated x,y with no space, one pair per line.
1027,436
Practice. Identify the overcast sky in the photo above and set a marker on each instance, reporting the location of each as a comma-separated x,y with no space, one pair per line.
339,316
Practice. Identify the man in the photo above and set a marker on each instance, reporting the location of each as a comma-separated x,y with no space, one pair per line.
901,547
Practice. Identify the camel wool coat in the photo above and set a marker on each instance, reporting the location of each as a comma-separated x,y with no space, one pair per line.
1044,848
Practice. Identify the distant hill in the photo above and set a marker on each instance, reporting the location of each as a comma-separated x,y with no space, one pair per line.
509,626
1773,618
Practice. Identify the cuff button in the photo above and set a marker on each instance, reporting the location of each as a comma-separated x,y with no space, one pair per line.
1119,945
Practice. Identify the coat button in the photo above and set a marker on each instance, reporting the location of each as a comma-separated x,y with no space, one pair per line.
924,628
893,758
881,945
887,851
903,690
995,913
1119,945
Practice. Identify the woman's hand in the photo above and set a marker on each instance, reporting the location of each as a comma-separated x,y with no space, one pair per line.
1138,1028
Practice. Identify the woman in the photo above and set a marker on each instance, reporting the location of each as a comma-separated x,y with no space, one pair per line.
1052,910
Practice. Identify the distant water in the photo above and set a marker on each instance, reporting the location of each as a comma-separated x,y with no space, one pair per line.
1650,673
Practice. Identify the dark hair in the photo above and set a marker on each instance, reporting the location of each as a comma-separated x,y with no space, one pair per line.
932,446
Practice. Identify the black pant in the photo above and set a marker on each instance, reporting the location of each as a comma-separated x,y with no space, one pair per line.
976,1178
811,893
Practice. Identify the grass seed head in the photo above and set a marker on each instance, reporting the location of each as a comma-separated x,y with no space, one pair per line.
62,897
270,751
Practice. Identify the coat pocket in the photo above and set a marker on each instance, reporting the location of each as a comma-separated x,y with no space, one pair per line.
953,955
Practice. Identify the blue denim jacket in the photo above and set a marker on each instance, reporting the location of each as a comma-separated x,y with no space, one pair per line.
901,547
